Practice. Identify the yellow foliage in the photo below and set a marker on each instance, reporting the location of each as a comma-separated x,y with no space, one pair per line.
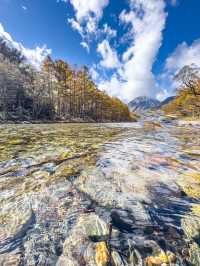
185,104
77,95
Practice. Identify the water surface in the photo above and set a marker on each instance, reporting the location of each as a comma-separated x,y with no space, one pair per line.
106,194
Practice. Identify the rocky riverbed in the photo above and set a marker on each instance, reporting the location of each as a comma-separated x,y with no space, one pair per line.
100,194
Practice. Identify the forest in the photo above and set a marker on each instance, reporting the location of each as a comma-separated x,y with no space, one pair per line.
187,101
55,92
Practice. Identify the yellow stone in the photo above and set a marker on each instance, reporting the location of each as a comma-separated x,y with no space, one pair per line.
162,258
64,155
192,191
196,209
102,254
16,142
151,125
195,176
171,256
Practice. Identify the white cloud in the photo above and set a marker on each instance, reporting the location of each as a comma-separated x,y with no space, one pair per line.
86,19
24,8
87,15
109,31
85,8
85,45
34,56
146,20
184,55
113,86
109,55
37,55
91,25
94,74
76,26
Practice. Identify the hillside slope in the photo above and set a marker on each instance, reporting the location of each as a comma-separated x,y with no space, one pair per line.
143,103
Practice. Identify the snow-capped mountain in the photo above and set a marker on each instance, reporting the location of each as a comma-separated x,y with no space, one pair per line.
143,103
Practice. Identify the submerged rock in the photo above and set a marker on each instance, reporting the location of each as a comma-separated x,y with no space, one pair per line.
15,221
16,141
101,254
122,220
152,125
79,247
161,259
10,259
122,211
195,254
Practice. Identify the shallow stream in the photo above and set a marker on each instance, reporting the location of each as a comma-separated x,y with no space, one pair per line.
106,194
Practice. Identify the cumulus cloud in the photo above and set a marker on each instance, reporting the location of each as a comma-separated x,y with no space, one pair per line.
109,55
86,19
85,8
93,73
85,45
33,56
87,14
111,33
142,25
76,26
24,7
184,55
146,20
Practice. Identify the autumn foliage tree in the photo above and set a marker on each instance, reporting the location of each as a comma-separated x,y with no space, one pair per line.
78,96
57,91
187,101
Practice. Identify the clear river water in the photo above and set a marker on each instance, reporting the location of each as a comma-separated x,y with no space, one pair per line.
100,194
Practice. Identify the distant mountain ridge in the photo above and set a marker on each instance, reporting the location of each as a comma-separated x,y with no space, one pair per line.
143,103
167,100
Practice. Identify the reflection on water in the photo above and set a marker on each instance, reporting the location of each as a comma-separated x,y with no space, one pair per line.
87,194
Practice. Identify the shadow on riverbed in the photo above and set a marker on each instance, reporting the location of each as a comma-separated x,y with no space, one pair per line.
14,242
163,233
168,210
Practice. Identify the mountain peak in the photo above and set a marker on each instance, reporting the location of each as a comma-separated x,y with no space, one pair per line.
143,103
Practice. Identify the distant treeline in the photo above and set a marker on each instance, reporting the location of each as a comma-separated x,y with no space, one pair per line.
187,101
55,92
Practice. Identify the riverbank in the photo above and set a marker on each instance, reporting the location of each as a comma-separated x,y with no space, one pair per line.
64,121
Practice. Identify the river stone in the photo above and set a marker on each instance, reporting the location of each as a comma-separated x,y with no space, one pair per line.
79,247
10,259
152,125
41,174
101,254
15,221
122,221
195,254
191,227
117,259
161,259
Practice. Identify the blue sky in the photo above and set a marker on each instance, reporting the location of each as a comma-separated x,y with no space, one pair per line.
132,47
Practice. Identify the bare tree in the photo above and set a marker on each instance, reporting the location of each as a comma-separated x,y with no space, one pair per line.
189,76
